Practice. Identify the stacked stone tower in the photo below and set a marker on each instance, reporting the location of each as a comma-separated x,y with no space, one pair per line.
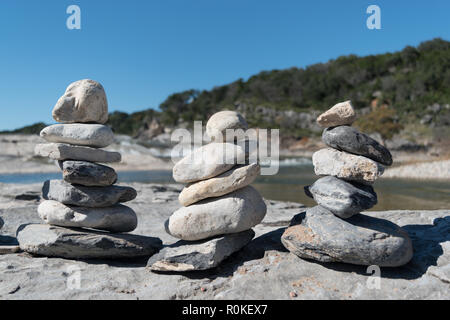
86,197
335,231
219,207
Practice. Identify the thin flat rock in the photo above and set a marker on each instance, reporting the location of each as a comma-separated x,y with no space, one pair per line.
80,134
61,151
227,182
52,241
93,197
199,255
346,138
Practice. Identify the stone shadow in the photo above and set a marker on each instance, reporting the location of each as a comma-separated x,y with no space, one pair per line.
8,241
255,250
427,248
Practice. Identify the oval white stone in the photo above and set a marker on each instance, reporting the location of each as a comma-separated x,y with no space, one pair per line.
227,182
231,213
90,135
117,218
221,121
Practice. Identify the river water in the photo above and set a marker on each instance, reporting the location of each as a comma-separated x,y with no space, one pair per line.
287,185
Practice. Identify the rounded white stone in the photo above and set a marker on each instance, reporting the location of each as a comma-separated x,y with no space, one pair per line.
231,213
84,101
221,121
117,218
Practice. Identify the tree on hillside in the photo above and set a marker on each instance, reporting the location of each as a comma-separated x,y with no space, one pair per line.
382,120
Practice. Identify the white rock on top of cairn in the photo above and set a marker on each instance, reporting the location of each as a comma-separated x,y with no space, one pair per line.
335,231
86,197
220,207
83,102
221,121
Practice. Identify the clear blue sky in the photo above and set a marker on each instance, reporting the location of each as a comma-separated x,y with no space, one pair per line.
142,51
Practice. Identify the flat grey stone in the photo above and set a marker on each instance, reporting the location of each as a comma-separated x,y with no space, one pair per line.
362,240
84,101
346,138
208,161
117,218
331,162
233,179
60,151
342,198
199,255
80,134
222,121
94,197
53,241
235,212
87,173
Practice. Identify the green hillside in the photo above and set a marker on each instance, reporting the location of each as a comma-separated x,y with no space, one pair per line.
407,82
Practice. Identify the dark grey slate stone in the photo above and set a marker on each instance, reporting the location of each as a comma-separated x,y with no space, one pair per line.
52,241
346,138
199,255
318,234
93,197
87,173
342,198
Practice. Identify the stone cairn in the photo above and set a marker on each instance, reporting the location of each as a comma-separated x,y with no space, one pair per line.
335,231
86,198
219,207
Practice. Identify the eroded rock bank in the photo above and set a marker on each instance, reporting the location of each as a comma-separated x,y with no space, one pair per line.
263,269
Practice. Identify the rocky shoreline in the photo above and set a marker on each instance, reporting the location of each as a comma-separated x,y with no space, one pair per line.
264,269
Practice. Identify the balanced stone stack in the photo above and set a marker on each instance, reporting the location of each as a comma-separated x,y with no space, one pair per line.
219,205
86,197
335,231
